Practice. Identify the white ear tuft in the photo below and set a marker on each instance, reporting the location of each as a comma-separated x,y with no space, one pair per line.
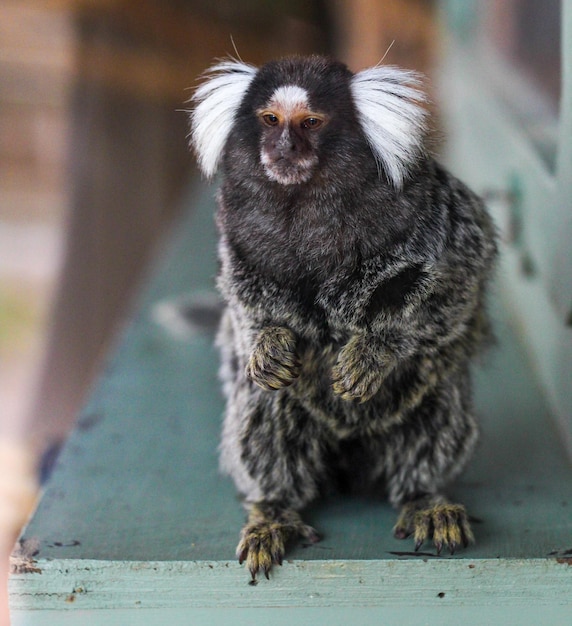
217,101
388,103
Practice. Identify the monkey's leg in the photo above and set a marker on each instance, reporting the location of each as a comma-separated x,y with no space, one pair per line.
434,517
426,452
277,453
263,538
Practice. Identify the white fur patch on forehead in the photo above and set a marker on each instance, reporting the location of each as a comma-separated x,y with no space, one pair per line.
388,102
217,102
289,99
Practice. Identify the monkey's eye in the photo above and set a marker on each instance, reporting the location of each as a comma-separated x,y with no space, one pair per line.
270,119
311,123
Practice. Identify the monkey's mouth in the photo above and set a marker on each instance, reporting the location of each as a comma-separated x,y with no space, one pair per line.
288,170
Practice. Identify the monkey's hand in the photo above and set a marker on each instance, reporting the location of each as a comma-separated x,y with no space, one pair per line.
274,362
264,537
362,366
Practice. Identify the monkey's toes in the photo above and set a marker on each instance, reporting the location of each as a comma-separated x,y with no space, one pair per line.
447,525
262,544
274,362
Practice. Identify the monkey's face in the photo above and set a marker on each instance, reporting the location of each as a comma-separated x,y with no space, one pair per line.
290,132
308,119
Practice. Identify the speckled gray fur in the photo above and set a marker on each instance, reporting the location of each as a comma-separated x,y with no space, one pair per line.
355,308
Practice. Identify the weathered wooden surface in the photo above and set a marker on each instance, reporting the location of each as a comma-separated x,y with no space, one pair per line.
136,517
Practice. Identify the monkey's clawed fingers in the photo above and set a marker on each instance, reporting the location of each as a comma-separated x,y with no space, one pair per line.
274,362
446,524
361,368
355,384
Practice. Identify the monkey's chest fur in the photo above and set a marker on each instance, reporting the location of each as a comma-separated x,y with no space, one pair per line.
385,274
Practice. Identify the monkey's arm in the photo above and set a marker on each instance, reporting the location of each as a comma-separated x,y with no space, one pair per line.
417,312
266,345
266,350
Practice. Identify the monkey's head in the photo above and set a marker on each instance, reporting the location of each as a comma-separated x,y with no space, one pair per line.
294,117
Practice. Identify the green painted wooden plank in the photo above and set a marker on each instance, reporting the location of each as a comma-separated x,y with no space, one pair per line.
388,583
526,614
136,516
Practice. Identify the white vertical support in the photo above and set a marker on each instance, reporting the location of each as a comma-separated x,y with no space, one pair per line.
560,285
488,148
561,275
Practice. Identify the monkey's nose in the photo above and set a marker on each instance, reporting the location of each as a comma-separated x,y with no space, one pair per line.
283,152
287,143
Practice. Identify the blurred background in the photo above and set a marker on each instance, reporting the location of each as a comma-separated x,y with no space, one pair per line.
94,160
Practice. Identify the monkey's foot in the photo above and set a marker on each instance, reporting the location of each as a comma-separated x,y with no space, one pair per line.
361,368
274,362
446,524
263,539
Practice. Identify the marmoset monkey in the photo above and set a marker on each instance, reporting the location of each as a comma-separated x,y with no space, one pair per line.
354,269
